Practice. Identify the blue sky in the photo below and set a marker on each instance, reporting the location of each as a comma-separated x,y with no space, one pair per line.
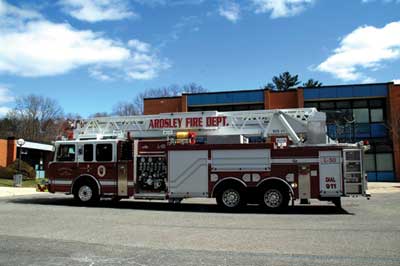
91,54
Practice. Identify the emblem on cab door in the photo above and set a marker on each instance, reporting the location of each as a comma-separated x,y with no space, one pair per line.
101,171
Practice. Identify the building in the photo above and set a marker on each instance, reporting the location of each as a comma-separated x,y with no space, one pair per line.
354,112
35,154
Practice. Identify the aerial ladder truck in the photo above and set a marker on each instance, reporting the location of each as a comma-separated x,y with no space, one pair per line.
266,157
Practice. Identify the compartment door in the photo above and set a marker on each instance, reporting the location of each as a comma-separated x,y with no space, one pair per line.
122,179
188,174
330,173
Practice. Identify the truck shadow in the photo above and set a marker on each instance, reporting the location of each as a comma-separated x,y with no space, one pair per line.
183,207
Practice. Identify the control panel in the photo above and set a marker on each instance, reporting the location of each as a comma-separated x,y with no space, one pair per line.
152,173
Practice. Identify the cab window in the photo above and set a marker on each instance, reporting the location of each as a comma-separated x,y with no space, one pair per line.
88,152
66,153
104,152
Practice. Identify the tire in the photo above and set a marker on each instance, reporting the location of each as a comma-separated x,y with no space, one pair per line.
231,198
337,202
86,193
275,198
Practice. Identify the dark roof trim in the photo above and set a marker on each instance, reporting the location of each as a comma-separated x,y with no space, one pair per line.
164,97
347,85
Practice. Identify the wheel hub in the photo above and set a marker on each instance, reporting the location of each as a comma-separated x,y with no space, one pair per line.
231,198
273,198
85,193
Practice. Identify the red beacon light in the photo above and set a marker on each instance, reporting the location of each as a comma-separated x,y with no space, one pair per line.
192,137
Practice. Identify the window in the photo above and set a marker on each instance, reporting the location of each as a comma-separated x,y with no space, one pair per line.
88,152
360,104
327,105
126,151
343,105
376,115
384,162
104,152
311,104
66,153
376,103
361,115
369,162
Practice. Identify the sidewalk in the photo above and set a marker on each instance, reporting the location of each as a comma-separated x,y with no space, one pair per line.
383,187
16,191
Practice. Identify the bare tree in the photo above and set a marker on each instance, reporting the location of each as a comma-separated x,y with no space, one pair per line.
193,88
99,114
35,118
125,109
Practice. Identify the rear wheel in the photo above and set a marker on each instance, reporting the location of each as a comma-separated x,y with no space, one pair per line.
337,202
275,198
231,198
86,193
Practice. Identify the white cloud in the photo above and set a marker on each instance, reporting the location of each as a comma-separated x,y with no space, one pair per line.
4,110
97,10
396,81
230,10
365,48
281,8
5,97
32,46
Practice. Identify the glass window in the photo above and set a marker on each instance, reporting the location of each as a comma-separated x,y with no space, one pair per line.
66,153
369,162
343,105
104,152
376,115
224,108
353,155
384,162
327,105
376,103
256,107
360,104
311,104
88,152
361,115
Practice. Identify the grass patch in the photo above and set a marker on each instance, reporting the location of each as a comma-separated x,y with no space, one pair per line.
25,183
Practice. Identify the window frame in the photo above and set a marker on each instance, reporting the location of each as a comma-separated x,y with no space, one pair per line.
58,150
112,152
93,155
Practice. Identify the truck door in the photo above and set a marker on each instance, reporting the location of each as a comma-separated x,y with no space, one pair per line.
330,173
125,161
64,168
304,182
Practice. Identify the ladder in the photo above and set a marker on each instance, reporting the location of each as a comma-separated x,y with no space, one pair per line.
265,123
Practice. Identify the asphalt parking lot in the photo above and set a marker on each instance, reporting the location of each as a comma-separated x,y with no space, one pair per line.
48,229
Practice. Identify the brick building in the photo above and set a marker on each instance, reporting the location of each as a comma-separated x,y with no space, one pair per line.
35,154
354,112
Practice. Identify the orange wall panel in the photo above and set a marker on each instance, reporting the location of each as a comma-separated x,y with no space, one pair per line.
3,152
162,105
394,120
284,99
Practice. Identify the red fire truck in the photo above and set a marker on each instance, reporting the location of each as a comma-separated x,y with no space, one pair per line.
267,157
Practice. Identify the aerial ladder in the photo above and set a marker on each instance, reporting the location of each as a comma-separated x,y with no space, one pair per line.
301,125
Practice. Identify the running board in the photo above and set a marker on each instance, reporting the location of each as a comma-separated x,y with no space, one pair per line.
153,196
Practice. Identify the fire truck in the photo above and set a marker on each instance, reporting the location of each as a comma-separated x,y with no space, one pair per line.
266,157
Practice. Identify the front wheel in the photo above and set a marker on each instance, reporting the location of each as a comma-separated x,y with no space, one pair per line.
86,193
230,198
275,199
